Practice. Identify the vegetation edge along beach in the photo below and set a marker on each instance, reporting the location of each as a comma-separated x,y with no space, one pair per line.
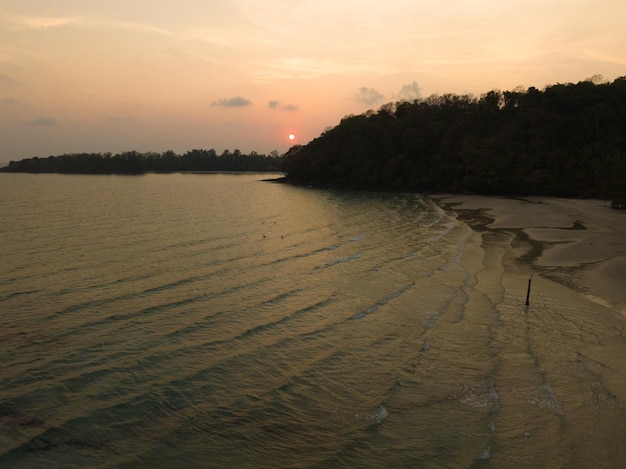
567,140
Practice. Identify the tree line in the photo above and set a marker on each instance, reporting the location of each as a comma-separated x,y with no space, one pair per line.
133,162
565,140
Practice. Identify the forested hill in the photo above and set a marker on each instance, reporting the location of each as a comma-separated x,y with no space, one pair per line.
133,162
567,140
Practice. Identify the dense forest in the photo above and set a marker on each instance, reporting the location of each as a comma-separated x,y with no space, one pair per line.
568,140
133,162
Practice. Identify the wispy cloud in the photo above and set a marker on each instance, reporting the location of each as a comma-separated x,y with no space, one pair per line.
35,23
369,96
44,121
275,104
410,92
41,22
9,101
236,101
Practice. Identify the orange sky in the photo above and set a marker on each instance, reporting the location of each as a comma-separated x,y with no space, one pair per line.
98,76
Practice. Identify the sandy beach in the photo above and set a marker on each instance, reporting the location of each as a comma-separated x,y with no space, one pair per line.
566,352
580,243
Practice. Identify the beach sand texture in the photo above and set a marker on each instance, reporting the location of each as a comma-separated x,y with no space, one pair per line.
560,376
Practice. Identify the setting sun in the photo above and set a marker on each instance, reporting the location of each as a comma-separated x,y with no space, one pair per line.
291,137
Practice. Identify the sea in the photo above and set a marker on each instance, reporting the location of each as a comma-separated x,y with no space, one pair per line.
221,321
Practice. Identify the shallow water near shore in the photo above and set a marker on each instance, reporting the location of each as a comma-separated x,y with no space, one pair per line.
213,320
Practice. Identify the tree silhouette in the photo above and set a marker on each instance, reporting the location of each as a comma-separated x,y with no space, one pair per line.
567,140
133,162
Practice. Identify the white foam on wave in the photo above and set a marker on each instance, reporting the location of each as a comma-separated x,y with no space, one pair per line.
430,318
357,238
443,233
544,397
459,254
374,417
341,260
477,396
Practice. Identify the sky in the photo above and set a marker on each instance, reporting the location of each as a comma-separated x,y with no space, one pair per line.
155,75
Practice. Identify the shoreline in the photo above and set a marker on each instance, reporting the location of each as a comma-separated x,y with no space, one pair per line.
579,243
565,350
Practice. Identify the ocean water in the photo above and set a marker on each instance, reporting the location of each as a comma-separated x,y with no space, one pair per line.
218,320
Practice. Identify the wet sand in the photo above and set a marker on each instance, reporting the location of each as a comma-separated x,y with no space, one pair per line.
580,243
561,361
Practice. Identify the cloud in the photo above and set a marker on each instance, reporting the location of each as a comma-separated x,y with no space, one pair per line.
33,22
44,23
369,96
44,121
410,92
9,101
236,101
275,104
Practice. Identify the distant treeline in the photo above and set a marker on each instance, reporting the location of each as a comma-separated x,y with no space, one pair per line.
567,140
133,162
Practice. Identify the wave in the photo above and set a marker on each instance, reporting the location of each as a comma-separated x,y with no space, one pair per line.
543,396
341,260
477,396
374,416
384,301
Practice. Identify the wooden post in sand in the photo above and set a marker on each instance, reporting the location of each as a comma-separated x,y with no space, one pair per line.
528,292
